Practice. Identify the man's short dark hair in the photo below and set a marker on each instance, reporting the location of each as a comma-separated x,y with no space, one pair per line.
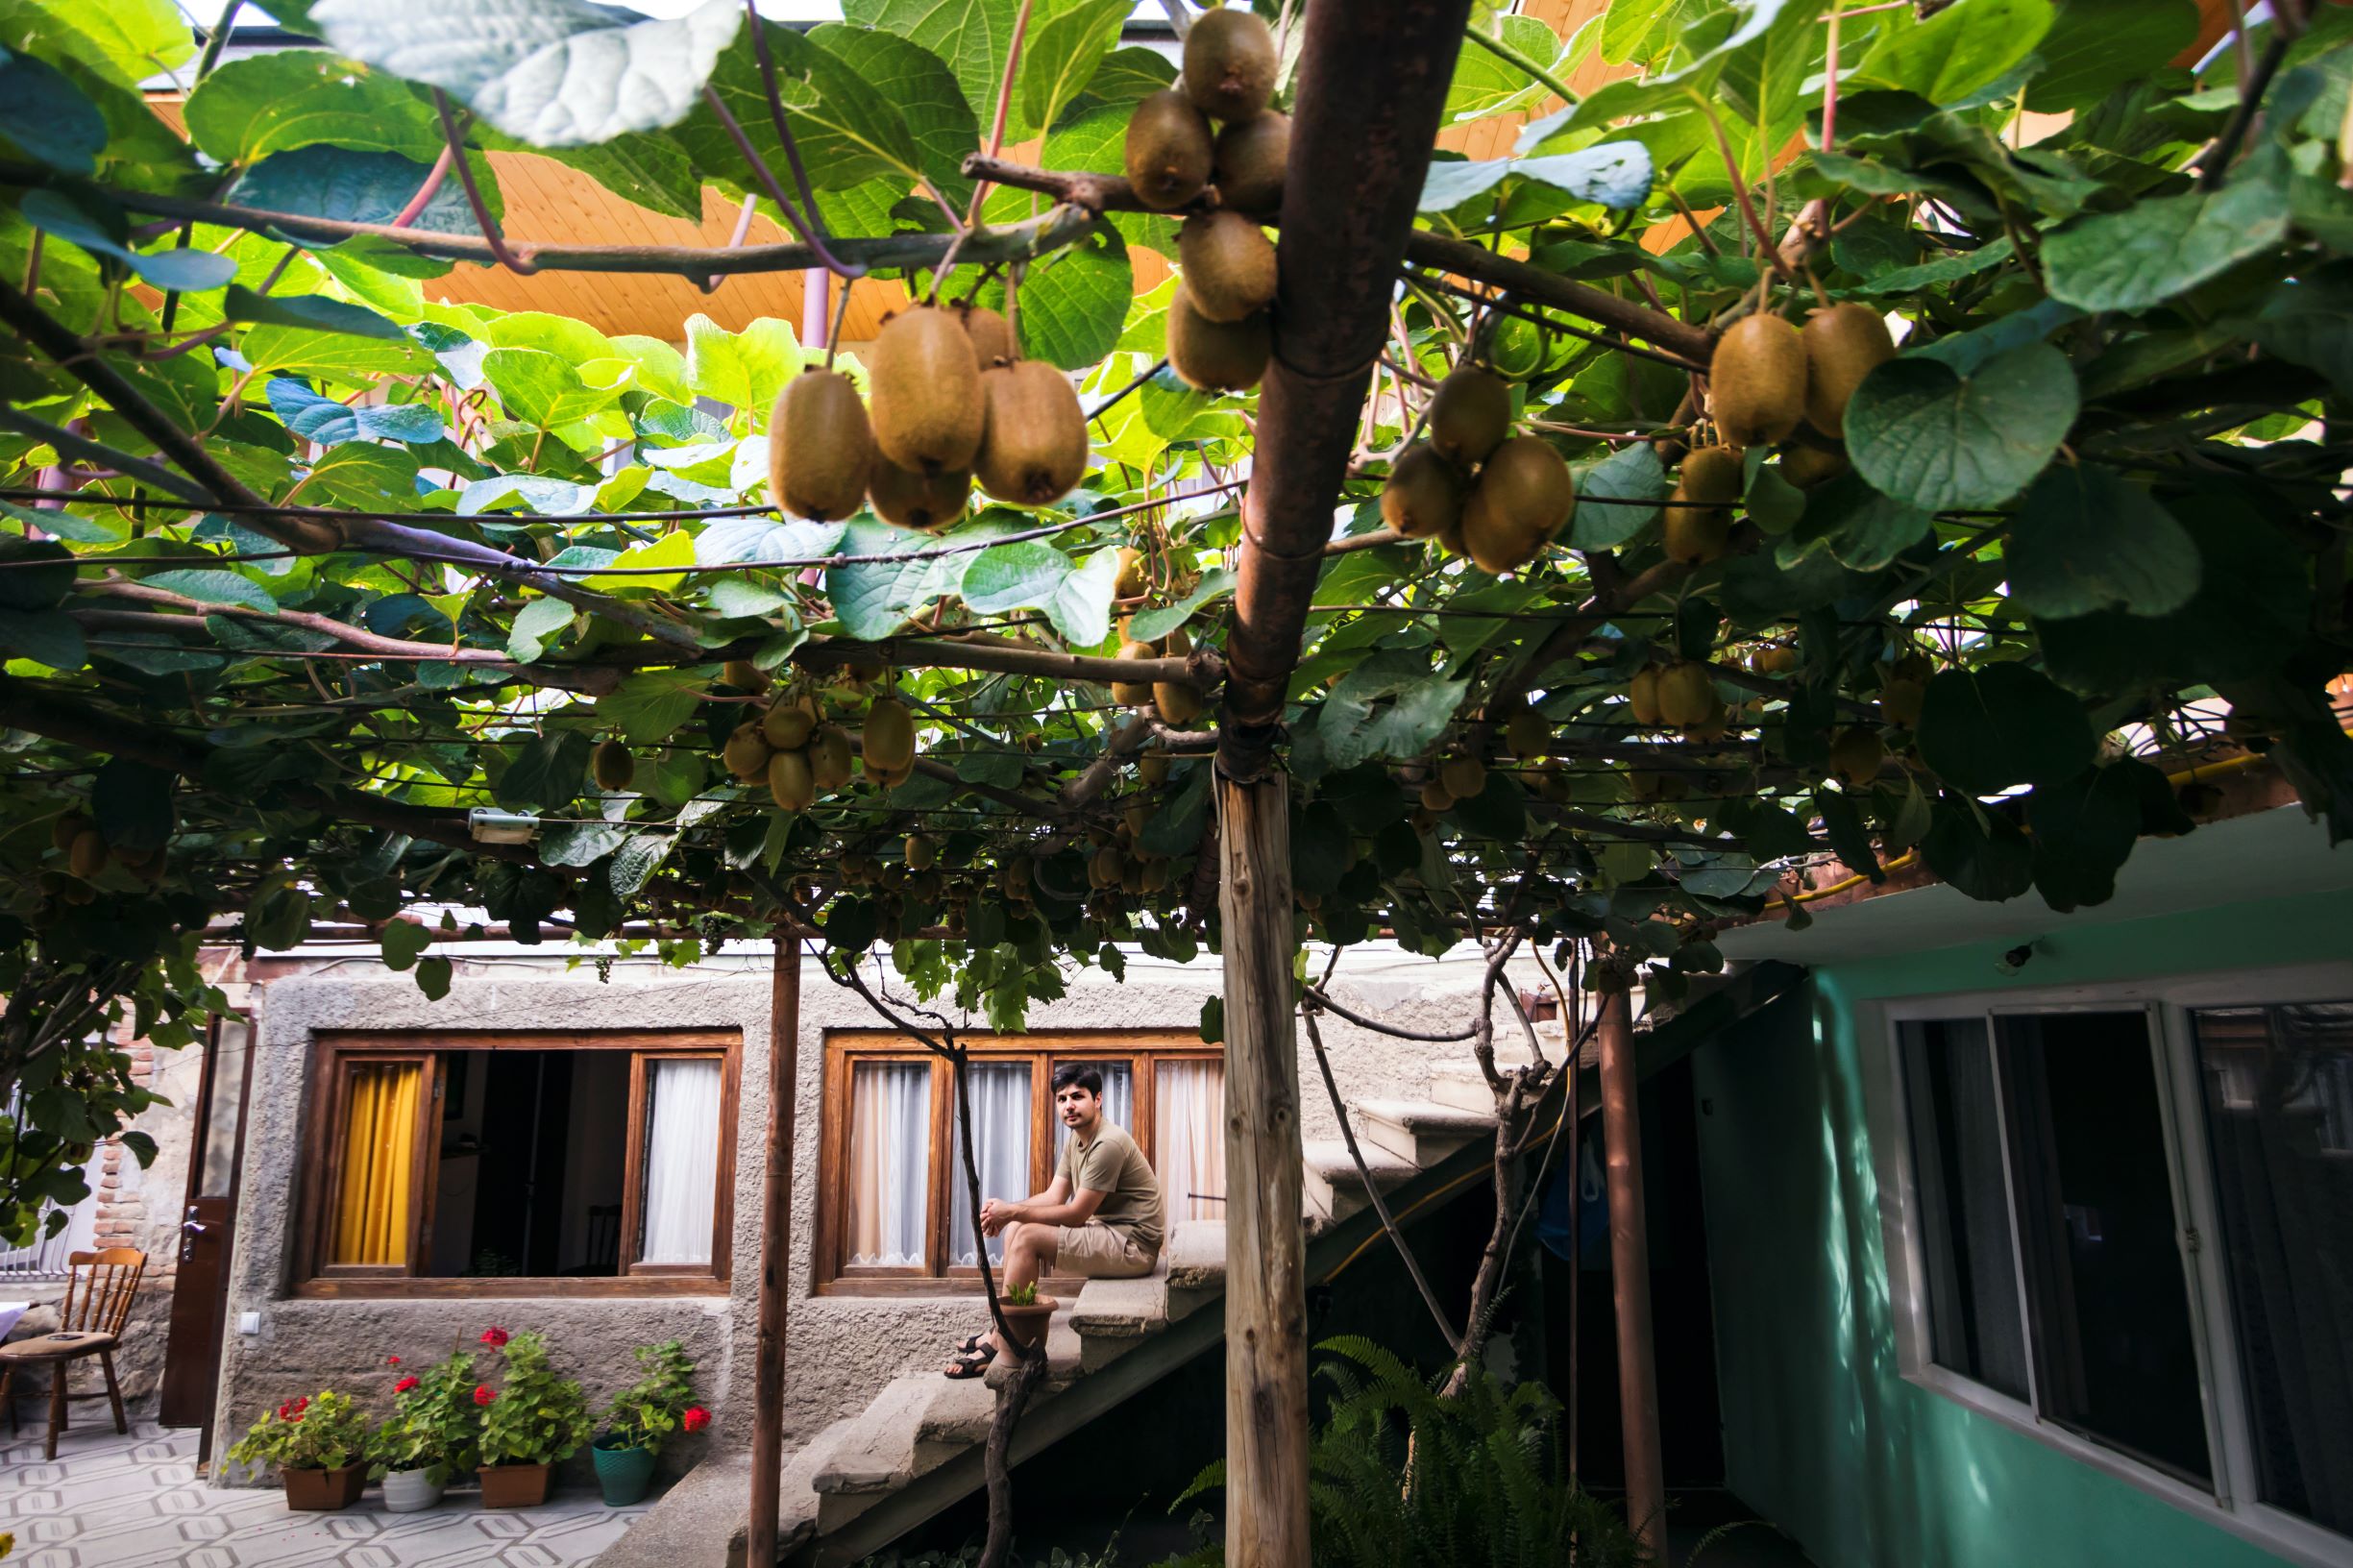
1079,1074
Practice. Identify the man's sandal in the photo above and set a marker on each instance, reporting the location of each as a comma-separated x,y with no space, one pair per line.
970,1364
974,1342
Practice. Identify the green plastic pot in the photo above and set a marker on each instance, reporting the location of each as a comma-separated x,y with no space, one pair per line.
624,1473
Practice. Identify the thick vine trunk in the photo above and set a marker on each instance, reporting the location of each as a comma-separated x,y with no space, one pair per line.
1629,1268
776,1254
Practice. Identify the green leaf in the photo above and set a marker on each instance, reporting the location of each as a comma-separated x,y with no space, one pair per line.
130,40
972,35
1614,173
1213,1025
188,271
847,130
1074,302
1952,54
744,370
676,548
554,73
920,85
351,186
2089,539
28,586
329,423
536,625
1861,528
1022,575
131,804
650,705
2096,46
315,311
434,977
1062,53
48,117
1630,474
1484,83
402,941
1921,433
1080,610
2161,245
1986,730
2084,830
874,599
1387,706
249,109
1151,625
306,350
2308,320
540,388
548,773
1981,854
213,586
49,637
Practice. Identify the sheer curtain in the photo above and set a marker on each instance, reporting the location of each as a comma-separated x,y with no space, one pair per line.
681,1160
1189,1132
1000,1148
1119,1099
889,1164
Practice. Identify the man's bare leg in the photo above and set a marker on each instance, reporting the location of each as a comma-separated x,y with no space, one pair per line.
1030,1250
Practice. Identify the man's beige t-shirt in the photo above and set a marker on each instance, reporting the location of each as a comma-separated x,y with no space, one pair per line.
1115,1167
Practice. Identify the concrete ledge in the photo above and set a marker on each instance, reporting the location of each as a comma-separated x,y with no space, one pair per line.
700,1520
1421,1132
877,1452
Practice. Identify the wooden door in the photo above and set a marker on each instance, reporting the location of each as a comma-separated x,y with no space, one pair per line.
200,1291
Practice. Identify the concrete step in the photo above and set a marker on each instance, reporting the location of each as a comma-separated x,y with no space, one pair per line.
1113,1317
700,1520
1421,1132
1331,1182
796,1517
878,1454
955,1417
1194,1261
1461,1085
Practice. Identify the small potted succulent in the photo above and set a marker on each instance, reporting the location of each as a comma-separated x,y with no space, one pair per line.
319,1444
1027,1313
533,1421
642,1419
434,1433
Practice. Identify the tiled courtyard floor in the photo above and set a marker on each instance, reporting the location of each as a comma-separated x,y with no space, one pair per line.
137,1501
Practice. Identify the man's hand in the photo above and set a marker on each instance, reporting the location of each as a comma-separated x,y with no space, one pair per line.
995,1214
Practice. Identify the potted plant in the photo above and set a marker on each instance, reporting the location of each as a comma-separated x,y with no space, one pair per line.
434,1432
641,1418
1027,1313
319,1444
535,1420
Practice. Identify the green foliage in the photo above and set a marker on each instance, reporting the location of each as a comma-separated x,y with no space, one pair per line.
535,1418
324,1431
645,1415
435,1426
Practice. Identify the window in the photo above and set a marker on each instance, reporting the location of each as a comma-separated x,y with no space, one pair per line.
545,1162
2129,1228
894,1212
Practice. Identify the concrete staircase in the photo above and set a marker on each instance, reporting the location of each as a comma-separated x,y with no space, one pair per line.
917,1447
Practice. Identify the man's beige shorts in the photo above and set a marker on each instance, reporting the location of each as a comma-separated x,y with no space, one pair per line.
1095,1251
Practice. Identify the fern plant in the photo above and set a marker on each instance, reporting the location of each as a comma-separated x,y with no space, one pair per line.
1399,1477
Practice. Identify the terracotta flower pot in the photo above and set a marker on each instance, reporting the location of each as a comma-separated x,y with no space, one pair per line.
322,1491
1029,1323
514,1485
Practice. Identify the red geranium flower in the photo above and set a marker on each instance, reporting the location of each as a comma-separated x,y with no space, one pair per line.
483,1393
495,1338
392,1360
697,1418
405,1384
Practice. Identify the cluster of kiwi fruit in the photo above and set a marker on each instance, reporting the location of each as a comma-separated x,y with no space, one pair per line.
1473,485
1773,384
88,853
796,749
1220,336
1680,694
949,401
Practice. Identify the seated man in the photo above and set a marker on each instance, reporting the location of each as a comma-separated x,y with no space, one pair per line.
1100,1216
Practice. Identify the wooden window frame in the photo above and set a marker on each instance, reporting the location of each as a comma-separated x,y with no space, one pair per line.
832,1273
334,1056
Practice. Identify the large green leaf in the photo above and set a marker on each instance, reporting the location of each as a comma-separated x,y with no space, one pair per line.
317,311
1921,433
547,772
743,370
1074,301
1958,50
874,599
2161,245
541,389
2308,320
330,423
1388,706
1080,610
354,187
920,85
972,35
129,40
2089,539
1484,83
48,117
1062,53
2096,46
554,73
274,103
648,168
1604,518
847,130
1863,529
1986,730
1978,852
1695,80
1614,173
1022,575
2084,829
97,228
651,705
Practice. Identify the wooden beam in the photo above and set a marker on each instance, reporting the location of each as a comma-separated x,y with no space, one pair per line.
1630,1270
1266,1331
775,1254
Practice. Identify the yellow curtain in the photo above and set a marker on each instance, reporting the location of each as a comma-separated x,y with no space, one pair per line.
379,1134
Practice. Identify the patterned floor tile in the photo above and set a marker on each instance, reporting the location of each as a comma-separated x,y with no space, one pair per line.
137,1501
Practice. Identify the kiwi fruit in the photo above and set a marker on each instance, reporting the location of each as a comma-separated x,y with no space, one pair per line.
991,335
1699,522
746,754
88,855
1178,704
1900,699
887,743
1153,768
1523,495
1133,582
830,757
787,725
1687,694
1229,264
1774,659
1464,777
1843,343
743,674
790,783
1806,463
1169,151
1856,754
1247,162
1133,694
1526,734
929,501
1229,63
613,766
1642,696
1469,415
1216,356
920,853
1034,448
1422,498
64,829
819,446
1435,798
1756,381
924,386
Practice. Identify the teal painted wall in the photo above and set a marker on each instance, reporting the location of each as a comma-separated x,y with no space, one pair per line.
1822,1434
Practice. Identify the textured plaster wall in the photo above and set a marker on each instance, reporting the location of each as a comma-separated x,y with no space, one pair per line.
1822,1434
841,1350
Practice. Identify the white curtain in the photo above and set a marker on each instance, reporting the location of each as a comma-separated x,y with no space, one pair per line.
1000,1146
889,1164
681,1160
1119,1100
1188,1110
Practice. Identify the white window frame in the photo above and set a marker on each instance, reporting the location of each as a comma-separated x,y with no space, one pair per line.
2232,1503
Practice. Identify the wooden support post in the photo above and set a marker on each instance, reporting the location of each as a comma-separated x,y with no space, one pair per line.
1630,1270
1266,1347
775,1254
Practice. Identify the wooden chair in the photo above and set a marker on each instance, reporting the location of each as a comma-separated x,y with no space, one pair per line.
98,1295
